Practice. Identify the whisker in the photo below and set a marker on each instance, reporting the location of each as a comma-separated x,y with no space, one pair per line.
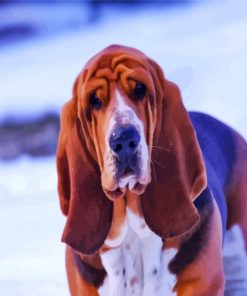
158,147
155,161
155,177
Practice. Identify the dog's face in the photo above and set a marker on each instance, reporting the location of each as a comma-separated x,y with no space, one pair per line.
123,145
117,108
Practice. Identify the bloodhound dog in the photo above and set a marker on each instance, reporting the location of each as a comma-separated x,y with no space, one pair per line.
148,188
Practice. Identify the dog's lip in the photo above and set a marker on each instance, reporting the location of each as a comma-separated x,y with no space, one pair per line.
128,171
139,188
116,193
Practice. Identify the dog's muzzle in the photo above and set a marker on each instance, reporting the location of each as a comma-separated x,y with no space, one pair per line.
124,142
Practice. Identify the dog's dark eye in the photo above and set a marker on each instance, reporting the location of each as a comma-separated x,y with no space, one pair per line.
95,101
139,91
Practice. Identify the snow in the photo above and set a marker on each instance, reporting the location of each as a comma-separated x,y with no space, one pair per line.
235,263
201,47
31,254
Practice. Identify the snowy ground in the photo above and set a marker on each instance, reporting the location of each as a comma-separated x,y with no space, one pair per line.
203,48
31,254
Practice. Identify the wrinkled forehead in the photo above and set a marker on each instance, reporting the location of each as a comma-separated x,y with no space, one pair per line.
110,56
115,67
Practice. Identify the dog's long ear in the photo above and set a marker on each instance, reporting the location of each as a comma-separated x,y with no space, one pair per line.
82,200
178,175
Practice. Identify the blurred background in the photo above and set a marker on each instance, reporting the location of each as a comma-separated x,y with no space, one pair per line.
201,45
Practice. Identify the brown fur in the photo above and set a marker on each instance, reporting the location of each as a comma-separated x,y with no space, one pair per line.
77,285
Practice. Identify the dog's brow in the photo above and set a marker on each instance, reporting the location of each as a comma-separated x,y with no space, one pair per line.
106,73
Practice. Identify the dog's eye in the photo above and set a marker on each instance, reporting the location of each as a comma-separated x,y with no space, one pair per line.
95,101
139,91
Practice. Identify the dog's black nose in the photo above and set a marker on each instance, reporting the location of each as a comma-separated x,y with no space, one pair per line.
124,141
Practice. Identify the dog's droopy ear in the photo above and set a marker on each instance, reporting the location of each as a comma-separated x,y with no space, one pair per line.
82,200
178,168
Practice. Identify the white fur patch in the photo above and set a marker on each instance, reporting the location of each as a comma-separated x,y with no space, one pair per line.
130,180
139,266
138,224
169,282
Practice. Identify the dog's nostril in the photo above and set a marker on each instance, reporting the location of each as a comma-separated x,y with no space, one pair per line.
118,148
132,144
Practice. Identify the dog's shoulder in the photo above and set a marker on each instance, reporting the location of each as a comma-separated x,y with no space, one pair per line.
218,143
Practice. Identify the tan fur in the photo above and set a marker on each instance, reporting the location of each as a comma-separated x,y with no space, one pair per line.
205,276
77,285
119,218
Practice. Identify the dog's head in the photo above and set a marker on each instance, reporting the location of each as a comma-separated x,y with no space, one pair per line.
125,129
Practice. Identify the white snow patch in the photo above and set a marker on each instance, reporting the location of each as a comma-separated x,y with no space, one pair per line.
31,253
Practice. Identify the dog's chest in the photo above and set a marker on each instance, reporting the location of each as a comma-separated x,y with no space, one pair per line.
139,265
